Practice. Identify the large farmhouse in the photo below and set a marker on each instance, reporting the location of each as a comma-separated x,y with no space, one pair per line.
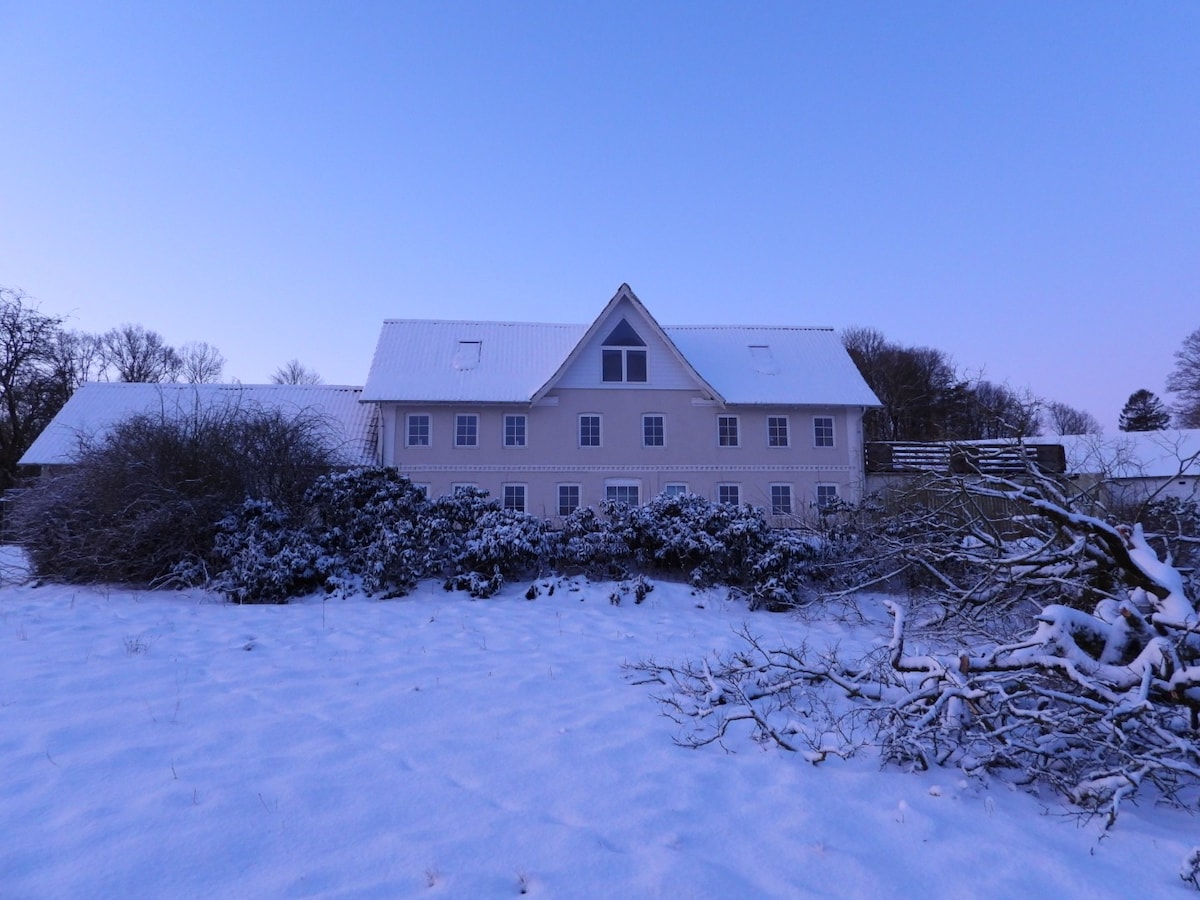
548,418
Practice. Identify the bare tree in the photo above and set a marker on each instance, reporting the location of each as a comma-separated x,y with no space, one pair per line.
29,394
77,357
200,363
1060,418
1184,381
135,354
293,372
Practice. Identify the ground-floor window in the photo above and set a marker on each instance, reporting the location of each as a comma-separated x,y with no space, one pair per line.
627,492
827,495
514,497
674,488
568,499
781,499
729,493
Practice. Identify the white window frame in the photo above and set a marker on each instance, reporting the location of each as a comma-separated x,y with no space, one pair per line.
578,488
463,416
819,436
729,486
514,487
826,488
599,429
613,484
791,498
662,429
524,431
787,432
408,419
625,353
737,430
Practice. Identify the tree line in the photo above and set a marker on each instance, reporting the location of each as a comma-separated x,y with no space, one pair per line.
923,397
42,362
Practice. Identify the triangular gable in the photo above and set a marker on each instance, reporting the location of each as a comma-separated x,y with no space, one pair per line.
608,322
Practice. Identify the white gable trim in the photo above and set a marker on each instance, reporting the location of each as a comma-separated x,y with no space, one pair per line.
605,320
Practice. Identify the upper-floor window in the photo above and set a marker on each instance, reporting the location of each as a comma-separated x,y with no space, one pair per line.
514,431
417,431
727,431
653,431
589,431
623,355
777,431
823,431
466,430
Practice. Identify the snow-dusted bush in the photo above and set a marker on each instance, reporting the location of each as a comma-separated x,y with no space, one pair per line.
143,503
501,543
262,557
587,544
377,528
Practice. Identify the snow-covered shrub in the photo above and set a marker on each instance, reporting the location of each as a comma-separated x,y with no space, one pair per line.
378,527
142,503
502,543
262,557
715,543
588,544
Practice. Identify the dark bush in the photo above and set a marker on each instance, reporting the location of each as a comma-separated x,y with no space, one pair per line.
143,503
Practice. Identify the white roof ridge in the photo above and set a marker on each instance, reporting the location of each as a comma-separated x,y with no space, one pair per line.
483,322
750,327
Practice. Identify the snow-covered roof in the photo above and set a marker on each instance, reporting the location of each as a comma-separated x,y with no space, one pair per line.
1133,454
97,406
778,364
420,360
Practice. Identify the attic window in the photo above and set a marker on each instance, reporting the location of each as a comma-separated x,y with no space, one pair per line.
623,355
763,360
467,355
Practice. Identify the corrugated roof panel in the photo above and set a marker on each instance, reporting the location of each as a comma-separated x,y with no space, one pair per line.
96,406
419,360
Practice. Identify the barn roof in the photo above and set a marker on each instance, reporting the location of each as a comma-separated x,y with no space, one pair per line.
96,406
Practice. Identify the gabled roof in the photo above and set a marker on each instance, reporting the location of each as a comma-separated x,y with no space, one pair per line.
624,294
414,361
97,406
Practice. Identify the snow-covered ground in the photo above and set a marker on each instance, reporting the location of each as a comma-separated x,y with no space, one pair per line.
170,745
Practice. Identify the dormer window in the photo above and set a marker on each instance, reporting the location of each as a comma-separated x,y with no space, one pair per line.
623,355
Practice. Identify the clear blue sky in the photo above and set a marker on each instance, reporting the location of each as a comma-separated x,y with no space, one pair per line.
1016,184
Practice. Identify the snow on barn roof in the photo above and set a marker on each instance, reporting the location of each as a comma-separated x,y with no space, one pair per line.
420,360
97,406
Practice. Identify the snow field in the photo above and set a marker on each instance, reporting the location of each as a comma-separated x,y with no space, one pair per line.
170,745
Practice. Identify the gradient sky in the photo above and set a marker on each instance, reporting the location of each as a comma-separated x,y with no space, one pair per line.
1015,184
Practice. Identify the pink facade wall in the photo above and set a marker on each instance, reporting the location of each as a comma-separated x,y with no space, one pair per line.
691,453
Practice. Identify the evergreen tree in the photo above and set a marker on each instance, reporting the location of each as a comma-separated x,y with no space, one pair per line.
1144,412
